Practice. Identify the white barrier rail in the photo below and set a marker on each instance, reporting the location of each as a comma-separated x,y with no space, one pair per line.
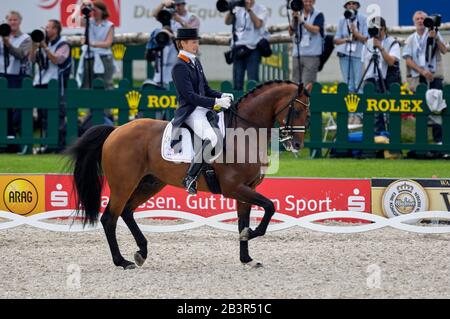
406,222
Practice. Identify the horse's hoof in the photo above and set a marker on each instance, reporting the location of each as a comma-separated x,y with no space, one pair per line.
138,259
245,234
253,264
127,265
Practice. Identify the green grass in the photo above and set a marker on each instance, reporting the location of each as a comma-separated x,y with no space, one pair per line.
289,166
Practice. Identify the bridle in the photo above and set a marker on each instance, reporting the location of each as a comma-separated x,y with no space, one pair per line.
287,131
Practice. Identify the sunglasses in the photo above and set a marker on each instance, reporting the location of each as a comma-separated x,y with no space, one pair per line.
351,3
180,4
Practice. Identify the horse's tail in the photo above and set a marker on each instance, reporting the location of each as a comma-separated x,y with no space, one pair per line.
86,157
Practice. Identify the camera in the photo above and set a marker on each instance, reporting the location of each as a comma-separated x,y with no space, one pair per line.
87,9
374,31
5,30
37,36
165,15
433,21
350,14
228,5
296,5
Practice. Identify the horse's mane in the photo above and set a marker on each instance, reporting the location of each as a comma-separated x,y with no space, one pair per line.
261,86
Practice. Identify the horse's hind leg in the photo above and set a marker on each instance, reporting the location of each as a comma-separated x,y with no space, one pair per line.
148,187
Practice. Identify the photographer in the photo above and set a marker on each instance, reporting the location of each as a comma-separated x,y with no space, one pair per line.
422,53
381,56
309,24
250,29
181,18
415,52
350,37
100,62
52,56
15,47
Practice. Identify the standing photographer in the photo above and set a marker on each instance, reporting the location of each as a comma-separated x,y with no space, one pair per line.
350,37
15,47
308,27
381,56
52,56
100,62
424,70
422,50
180,18
250,28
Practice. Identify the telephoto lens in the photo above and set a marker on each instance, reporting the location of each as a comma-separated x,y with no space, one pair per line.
433,21
228,5
296,5
374,32
350,14
5,30
37,36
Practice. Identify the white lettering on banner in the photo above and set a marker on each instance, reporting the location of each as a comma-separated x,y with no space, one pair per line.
301,205
160,203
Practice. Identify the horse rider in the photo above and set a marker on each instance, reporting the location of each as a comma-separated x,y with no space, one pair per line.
196,102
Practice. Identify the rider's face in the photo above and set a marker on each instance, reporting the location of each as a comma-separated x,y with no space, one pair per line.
191,46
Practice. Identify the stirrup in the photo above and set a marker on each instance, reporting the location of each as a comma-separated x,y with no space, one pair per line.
190,184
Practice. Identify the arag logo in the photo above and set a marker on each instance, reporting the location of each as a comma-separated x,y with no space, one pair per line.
21,196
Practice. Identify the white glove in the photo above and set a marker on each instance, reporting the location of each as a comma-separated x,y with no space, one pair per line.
228,95
224,102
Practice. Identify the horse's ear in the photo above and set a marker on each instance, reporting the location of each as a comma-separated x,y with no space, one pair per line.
300,88
309,87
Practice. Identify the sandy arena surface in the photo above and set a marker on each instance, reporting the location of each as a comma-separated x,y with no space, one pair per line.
203,263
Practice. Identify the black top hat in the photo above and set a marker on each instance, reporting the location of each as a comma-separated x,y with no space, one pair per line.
187,34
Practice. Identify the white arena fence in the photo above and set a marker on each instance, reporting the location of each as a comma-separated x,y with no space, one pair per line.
409,222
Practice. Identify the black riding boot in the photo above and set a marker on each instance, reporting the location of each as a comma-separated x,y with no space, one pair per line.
190,181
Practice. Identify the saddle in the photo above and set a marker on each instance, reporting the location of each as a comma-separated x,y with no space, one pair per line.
182,150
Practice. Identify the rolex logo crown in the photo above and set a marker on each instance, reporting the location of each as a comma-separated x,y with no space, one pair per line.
352,102
118,51
133,98
405,188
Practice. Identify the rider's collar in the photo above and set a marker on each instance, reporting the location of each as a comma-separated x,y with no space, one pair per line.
186,56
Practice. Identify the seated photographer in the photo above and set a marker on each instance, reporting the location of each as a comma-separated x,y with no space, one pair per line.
250,29
351,35
100,63
181,18
381,57
415,53
15,47
310,24
424,61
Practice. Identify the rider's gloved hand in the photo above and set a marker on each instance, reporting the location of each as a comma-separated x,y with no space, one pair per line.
224,102
228,95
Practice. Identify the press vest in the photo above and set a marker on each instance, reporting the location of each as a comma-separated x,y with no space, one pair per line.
312,43
16,67
53,70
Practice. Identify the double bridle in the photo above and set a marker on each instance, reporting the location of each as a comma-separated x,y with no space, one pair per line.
287,131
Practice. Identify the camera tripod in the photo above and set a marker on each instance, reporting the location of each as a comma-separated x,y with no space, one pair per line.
378,76
5,58
89,58
298,35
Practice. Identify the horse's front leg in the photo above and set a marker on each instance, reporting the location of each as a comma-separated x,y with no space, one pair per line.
247,195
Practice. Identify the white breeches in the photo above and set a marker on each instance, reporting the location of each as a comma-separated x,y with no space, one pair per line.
198,122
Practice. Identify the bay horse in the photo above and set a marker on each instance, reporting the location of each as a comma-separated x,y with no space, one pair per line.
130,158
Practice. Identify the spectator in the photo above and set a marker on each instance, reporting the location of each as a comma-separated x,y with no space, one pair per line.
18,46
350,37
180,19
422,69
53,62
309,24
100,63
250,28
387,51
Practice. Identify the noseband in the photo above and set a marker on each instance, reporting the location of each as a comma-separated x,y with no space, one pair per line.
287,131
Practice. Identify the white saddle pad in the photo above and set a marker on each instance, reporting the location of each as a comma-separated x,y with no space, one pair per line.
187,149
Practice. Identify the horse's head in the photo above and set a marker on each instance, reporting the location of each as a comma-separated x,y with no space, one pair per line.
293,118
